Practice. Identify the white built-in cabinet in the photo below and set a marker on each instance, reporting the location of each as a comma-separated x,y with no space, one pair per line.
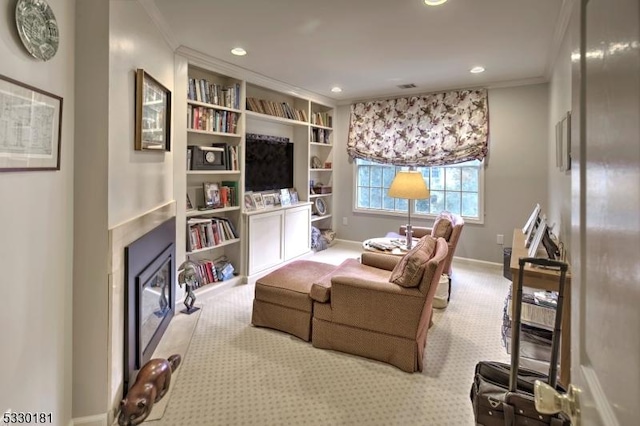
278,235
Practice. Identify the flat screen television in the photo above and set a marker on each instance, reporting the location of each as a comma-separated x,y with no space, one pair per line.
268,163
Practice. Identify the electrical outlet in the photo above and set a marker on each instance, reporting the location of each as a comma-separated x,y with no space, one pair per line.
500,239
345,221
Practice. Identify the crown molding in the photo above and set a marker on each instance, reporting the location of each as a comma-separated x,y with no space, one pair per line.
152,10
205,61
558,35
426,90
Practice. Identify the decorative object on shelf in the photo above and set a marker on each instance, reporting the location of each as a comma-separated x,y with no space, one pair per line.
189,276
208,157
285,197
320,188
153,114
328,164
152,383
33,122
249,203
269,200
563,143
38,28
316,163
257,199
410,185
189,205
211,195
320,207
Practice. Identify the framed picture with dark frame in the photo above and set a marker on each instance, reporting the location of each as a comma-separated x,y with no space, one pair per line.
153,114
31,127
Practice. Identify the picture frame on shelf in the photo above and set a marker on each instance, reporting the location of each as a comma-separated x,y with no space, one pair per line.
189,204
285,197
249,203
33,119
269,200
294,195
152,114
257,199
211,194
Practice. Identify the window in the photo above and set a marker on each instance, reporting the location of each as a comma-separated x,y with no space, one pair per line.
456,188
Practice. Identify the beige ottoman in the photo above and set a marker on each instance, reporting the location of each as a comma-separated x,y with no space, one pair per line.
282,299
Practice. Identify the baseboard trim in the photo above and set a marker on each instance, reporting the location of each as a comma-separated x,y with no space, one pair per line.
477,261
97,420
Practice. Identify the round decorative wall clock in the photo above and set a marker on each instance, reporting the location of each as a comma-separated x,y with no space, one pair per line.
38,28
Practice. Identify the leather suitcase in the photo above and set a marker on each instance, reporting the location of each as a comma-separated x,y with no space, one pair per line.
502,394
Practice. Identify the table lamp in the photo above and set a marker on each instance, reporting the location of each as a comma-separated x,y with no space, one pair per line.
410,185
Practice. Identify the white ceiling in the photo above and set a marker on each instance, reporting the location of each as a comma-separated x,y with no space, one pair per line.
368,47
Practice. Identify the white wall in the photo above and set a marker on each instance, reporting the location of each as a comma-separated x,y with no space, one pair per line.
558,207
36,241
113,182
515,177
138,180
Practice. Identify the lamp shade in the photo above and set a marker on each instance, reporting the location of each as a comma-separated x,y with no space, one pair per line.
409,184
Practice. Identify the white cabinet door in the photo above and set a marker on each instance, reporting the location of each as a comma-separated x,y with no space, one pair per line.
297,231
265,241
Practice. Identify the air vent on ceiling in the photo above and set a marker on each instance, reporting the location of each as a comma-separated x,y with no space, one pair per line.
407,86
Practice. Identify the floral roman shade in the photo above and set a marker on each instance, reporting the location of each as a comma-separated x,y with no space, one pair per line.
426,130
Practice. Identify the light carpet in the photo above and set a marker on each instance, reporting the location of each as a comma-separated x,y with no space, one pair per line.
237,374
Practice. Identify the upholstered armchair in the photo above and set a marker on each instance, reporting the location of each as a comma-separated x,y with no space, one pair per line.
448,226
380,307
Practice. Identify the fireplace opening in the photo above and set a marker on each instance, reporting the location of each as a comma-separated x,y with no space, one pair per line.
149,297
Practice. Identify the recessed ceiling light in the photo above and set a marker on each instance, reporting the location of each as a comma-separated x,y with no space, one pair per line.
434,2
238,51
476,70
336,89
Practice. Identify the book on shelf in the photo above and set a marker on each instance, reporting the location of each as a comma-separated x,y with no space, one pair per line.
233,191
211,120
276,109
206,232
321,119
201,90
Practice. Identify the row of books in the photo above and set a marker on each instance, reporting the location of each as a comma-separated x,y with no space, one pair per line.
212,120
220,194
209,232
320,135
321,119
276,109
212,271
202,90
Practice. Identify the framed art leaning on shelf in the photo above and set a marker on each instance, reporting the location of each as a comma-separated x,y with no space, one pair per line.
30,127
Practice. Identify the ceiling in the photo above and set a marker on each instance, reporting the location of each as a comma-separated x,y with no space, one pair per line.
369,47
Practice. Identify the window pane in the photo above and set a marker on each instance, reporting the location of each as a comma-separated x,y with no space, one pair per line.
470,204
437,201
363,197
376,176
470,179
453,179
363,175
422,206
376,198
437,178
388,203
402,204
452,203
388,173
